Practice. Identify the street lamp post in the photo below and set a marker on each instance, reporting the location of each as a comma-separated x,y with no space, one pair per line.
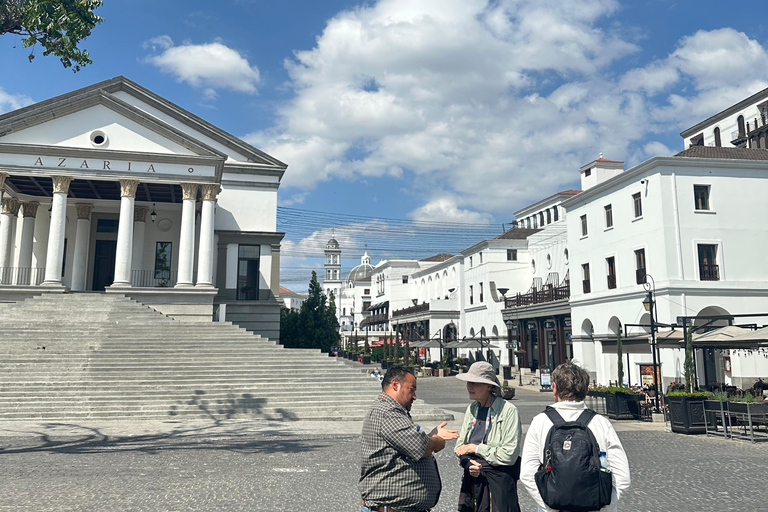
650,305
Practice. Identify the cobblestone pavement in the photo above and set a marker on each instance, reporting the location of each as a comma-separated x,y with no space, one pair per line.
230,466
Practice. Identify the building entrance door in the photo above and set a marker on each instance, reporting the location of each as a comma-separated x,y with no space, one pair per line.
104,264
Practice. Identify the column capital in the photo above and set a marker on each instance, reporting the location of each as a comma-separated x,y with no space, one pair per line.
189,190
84,211
210,191
10,205
61,184
128,188
140,213
29,209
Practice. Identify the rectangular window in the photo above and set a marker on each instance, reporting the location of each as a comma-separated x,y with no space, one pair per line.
708,268
588,173
585,278
638,203
405,279
107,225
610,264
481,258
608,216
481,292
701,197
640,266
470,262
583,225
511,254
248,272
471,296
366,291
163,260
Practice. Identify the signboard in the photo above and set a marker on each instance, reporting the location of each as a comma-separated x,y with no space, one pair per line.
65,163
511,346
646,374
549,325
531,326
567,322
545,378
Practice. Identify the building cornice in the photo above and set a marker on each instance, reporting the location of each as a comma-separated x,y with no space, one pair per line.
657,162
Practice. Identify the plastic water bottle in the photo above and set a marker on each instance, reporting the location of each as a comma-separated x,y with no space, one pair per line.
604,464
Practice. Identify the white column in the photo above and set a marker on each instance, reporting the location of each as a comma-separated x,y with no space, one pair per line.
187,236
139,227
55,255
125,233
8,216
82,242
206,256
24,272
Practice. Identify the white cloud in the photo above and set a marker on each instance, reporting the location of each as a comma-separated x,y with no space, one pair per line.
9,101
446,210
496,103
208,66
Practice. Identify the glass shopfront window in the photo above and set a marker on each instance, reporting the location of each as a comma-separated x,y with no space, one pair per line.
248,272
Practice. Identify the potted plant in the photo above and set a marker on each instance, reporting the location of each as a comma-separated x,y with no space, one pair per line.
686,409
507,392
622,403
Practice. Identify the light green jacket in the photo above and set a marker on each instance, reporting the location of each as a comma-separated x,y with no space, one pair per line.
502,447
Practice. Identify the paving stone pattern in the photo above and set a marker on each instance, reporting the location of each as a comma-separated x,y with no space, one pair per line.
278,467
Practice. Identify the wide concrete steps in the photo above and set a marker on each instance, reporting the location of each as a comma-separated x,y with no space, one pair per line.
94,356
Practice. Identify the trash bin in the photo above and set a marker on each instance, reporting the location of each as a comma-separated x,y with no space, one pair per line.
507,371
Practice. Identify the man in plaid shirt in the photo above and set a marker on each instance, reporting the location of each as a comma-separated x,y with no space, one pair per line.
398,472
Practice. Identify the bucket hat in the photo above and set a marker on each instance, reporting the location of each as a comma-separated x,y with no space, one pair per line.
480,372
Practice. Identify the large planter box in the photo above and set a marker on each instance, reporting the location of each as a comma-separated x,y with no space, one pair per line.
366,359
384,365
686,414
597,394
747,408
622,406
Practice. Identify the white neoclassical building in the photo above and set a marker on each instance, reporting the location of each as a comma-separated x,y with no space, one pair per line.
112,188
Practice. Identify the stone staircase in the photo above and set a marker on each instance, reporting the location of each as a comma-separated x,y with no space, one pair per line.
98,356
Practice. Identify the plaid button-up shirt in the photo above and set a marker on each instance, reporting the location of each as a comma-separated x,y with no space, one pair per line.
394,471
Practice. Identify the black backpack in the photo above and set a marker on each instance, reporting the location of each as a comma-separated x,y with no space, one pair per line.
570,478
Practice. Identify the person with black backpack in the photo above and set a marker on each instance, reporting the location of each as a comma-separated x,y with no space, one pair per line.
572,459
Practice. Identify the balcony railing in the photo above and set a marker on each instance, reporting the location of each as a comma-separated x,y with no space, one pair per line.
611,282
548,293
419,308
640,276
22,276
154,279
586,286
709,272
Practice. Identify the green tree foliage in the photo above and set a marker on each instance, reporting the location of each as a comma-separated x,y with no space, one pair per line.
315,325
688,364
58,26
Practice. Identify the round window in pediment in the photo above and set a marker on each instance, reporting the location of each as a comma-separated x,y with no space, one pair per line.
98,138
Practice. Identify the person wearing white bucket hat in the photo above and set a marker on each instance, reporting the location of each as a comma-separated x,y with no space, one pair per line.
488,446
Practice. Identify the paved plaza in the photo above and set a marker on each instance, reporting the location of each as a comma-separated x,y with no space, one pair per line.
257,466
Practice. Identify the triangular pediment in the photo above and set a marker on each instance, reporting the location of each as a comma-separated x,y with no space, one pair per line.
132,118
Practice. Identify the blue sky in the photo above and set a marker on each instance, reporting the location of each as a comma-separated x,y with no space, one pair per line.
431,110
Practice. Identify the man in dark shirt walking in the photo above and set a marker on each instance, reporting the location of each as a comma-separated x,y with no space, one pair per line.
398,472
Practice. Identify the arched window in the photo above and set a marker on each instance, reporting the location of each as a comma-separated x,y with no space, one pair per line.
554,210
549,216
718,143
740,122
541,219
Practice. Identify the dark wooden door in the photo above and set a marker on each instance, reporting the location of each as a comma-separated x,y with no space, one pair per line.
104,264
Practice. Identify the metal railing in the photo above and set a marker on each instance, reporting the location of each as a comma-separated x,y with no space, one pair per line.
22,276
547,293
709,272
586,286
154,279
640,276
419,308
611,282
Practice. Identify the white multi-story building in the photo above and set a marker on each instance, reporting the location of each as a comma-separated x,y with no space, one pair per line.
695,225
291,299
744,124
355,297
114,188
